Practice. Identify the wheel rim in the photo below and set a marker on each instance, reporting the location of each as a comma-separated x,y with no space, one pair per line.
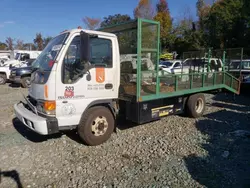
1,80
27,81
99,126
199,106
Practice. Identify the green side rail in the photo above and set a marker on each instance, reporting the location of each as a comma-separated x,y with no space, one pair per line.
219,80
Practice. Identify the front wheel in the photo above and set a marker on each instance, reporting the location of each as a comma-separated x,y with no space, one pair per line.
96,126
25,82
196,105
3,79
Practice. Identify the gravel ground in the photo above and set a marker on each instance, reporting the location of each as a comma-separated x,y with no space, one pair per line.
212,151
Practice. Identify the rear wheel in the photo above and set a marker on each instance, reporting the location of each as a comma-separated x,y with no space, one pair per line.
25,82
96,126
3,79
196,105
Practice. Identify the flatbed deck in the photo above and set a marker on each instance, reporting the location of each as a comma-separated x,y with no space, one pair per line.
175,85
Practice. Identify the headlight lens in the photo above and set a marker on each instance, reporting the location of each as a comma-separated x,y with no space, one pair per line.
46,107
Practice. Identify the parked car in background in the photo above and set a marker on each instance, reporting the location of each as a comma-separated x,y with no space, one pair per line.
194,64
171,66
3,59
5,71
4,74
198,64
21,56
244,70
21,75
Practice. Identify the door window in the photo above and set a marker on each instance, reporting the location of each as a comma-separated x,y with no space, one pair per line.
25,57
100,56
213,65
72,67
177,65
101,52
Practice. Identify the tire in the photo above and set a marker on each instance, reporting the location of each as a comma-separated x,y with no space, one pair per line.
3,79
24,81
92,119
196,105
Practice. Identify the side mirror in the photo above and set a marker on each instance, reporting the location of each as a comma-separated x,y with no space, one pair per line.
84,47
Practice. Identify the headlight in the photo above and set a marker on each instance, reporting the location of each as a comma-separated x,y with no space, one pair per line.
46,107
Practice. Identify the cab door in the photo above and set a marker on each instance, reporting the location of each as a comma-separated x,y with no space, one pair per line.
75,90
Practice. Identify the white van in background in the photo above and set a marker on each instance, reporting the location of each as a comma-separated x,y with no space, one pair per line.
19,57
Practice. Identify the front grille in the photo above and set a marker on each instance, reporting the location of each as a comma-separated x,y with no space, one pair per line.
13,73
32,100
31,103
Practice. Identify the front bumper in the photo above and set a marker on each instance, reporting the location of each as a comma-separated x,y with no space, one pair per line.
15,79
41,125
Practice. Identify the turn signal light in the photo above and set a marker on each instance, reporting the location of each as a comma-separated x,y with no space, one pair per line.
49,105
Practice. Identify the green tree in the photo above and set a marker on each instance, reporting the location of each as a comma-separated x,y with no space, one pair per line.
38,41
3,46
186,35
246,21
225,25
202,12
115,19
163,16
144,9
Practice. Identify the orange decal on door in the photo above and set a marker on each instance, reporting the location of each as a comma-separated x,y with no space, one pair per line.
100,75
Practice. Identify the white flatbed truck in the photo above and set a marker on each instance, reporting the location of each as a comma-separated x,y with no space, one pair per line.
78,83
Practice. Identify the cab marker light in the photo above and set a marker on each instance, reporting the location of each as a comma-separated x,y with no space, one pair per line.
46,91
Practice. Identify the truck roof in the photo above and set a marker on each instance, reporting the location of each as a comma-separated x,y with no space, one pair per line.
27,51
89,31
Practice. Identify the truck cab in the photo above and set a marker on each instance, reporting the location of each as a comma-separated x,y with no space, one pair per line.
77,70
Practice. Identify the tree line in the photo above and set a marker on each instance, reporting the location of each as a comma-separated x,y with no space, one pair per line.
17,44
221,24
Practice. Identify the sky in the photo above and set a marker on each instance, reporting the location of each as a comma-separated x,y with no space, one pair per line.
22,19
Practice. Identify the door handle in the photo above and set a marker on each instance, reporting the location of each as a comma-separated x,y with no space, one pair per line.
65,102
108,86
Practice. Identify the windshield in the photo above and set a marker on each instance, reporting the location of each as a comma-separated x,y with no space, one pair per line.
166,63
46,59
194,62
17,56
236,65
